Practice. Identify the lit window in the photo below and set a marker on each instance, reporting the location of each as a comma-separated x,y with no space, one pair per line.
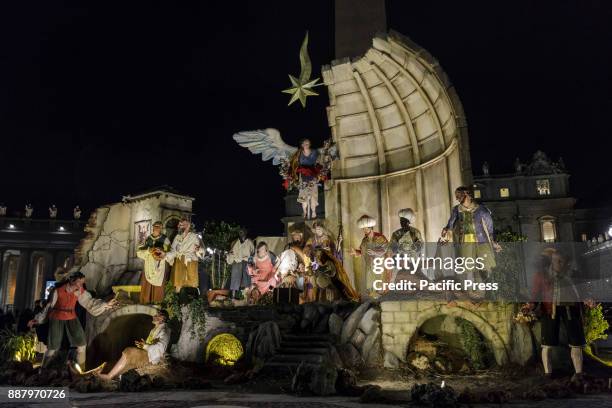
549,233
476,193
543,187
583,237
504,192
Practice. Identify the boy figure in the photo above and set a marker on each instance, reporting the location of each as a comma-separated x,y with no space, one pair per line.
242,249
63,319
153,279
149,351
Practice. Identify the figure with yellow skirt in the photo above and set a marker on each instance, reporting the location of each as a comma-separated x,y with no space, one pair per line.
471,226
153,279
184,254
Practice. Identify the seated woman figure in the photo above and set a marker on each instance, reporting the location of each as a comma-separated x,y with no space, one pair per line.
262,269
149,351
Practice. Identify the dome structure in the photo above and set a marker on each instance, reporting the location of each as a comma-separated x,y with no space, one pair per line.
392,109
401,135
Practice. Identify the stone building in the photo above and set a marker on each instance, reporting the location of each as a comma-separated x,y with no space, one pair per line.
30,252
107,255
534,201
103,248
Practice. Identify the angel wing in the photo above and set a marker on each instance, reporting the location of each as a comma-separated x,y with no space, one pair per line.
268,142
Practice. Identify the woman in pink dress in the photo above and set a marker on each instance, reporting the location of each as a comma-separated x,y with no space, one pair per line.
262,269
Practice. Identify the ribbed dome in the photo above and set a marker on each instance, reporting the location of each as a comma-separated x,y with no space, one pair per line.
392,110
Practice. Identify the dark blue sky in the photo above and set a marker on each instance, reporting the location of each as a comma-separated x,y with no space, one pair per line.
109,98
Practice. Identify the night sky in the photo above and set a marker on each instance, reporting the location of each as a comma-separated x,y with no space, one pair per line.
104,99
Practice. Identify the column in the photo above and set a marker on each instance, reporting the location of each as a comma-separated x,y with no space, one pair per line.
2,276
24,280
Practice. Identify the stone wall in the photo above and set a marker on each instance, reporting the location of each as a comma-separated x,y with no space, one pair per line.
358,336
105,250
109,249
239,321
402,319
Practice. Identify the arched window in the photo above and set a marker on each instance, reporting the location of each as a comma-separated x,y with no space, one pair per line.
548,229
39,277
171,227
12,268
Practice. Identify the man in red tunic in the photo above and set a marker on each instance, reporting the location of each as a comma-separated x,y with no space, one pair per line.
560,303
63,319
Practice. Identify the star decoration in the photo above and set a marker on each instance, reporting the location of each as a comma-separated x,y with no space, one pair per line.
300,90
302,87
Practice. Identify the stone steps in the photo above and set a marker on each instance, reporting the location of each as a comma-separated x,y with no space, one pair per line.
302,350
298,358
306,337
305,344
312,349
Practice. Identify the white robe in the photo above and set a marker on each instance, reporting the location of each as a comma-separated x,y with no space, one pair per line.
161,336
185,246
240,251
154,269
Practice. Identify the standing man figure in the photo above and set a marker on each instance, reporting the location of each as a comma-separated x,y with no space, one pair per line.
373,245
472,230
76,213
183,257
560,302
63,319
53,211
2,210
153,279
407,240
241,250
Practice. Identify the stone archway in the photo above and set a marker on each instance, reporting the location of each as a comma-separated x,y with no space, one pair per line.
108,335
401,320
105,320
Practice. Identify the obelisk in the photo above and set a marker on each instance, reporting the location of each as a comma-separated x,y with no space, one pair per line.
356,22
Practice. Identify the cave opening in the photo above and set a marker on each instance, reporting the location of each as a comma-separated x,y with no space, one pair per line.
449,344
121,332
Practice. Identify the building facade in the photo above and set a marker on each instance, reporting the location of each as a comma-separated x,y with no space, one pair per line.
534,201
30,252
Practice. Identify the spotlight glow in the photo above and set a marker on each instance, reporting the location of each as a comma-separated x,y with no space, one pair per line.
224,349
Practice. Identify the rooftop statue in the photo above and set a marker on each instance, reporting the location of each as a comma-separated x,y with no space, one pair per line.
53,211
29,210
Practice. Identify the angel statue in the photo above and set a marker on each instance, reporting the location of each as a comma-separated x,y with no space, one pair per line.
302,168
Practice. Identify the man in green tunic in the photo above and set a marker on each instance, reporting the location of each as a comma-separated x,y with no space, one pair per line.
153,279
407,240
